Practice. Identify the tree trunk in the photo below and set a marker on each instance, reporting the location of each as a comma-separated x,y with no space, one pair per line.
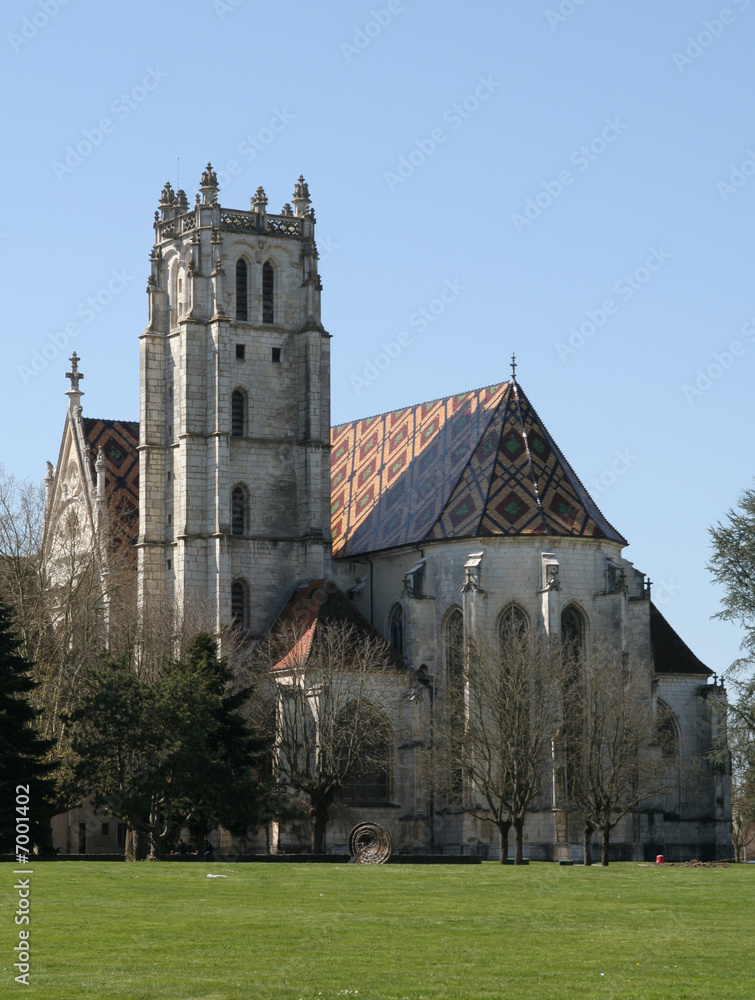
518,841
154,833
587,844
132,852
318,814
606,836
503,840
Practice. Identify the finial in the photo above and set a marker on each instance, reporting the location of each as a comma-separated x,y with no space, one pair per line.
167,197
75,375
287,210
209,186
301,198
513,367
181,199
259,201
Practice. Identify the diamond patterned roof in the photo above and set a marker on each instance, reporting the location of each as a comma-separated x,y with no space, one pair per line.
480,463
119,440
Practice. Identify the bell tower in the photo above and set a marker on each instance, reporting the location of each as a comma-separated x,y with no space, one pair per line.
234,442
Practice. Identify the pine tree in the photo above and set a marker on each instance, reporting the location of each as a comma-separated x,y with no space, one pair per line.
22,750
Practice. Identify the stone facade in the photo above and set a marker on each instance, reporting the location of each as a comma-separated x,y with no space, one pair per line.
235,488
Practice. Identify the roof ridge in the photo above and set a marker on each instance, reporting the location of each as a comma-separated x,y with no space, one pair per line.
427,402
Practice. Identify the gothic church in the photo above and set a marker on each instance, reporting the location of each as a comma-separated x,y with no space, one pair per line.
432,520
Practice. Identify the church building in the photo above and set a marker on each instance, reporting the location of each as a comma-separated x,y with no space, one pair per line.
433,521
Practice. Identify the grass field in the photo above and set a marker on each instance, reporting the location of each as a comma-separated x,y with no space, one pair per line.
154,931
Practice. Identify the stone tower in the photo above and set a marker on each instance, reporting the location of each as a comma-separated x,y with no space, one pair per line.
234,493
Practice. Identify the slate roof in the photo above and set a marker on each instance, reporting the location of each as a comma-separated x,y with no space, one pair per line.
478,464
119,439
315,604
671,654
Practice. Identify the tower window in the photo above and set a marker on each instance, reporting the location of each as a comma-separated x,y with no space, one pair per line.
242,311
276,355
238,511
240,352
268,293
239,604
238,406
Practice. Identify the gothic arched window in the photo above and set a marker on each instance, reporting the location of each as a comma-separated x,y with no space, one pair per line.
242,309
268,293
454,654
238,413
238,511
240,604
396,628
369,782
512,625
573,630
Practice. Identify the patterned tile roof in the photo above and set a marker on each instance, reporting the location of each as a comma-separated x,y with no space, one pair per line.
481,463
119,440
316,604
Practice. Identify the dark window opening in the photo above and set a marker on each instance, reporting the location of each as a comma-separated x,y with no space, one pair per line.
238,604
242,311
268,293
121,834
276,354
105,829
396,628
455,682
237,414
238,510
240,352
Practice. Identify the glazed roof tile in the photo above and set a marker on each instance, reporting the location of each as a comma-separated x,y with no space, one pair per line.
119,440
480,463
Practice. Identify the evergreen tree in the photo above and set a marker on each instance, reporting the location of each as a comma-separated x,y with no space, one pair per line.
22,750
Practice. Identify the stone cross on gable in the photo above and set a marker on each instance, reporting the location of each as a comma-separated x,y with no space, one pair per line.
75,375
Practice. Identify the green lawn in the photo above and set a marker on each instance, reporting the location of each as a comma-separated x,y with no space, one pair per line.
153,931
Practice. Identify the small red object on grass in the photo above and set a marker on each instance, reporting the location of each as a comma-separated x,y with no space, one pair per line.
660,860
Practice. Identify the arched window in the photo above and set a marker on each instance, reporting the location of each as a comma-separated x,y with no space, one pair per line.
454,653
239,604
668,741
573,630
369,782
512,625
268,293
242,309
396,628
454,649
238,511
238,413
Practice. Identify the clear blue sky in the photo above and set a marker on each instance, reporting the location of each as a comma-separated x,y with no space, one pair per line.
489,105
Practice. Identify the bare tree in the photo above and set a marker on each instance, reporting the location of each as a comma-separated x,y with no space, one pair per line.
333,682
496,730
613,737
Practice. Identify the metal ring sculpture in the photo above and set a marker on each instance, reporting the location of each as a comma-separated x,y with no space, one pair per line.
369,844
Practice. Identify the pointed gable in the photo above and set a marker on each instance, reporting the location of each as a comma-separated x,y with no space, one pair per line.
480,463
